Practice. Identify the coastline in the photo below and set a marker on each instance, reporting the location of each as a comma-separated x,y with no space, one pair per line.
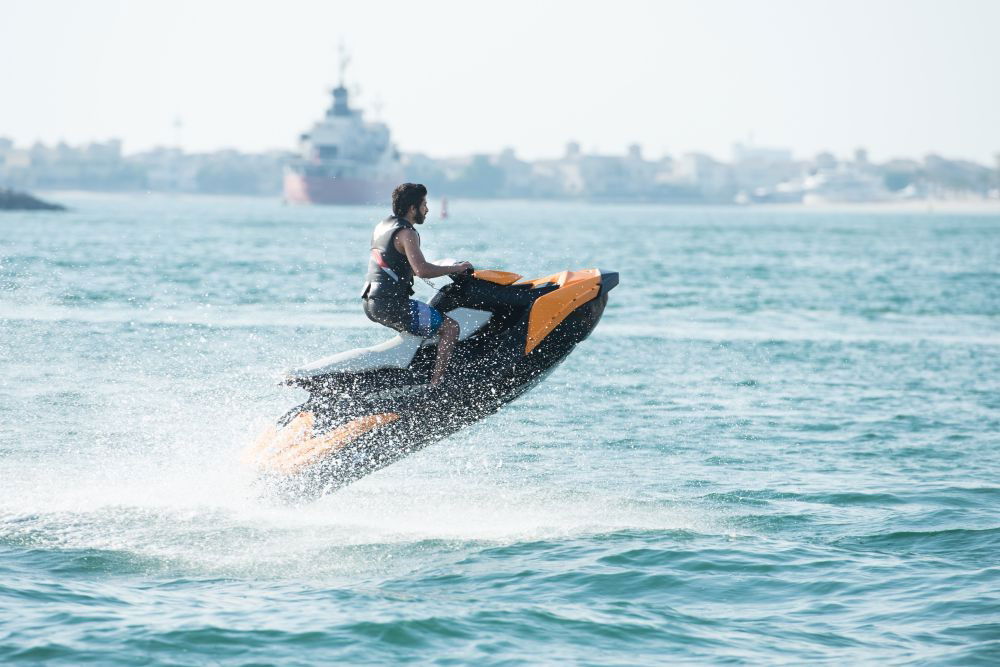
19,200
982,206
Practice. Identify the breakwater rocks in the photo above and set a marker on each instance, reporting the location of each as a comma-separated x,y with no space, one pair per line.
12,200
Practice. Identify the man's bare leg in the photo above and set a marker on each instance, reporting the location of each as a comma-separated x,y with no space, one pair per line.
447,335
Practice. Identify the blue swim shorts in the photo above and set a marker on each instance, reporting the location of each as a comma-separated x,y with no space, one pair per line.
410,316
424,320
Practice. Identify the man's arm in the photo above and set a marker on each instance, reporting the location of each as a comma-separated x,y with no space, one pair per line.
410,242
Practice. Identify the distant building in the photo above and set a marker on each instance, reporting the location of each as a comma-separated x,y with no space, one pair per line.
825,160
713,179
744,153
757,170
519,178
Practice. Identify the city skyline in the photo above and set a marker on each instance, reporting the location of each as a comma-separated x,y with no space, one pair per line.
754,176
899,78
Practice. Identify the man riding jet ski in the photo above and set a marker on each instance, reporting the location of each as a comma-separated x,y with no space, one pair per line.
369,407
395,258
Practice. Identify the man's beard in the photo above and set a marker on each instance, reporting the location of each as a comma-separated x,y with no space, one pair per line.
418,218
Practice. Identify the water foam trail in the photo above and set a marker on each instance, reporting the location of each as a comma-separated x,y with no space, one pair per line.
176,496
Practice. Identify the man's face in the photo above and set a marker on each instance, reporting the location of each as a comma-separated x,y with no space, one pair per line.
420,212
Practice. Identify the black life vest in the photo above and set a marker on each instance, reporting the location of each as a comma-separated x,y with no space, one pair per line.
390,275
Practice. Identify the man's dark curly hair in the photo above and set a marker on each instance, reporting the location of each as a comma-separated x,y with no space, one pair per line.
405,196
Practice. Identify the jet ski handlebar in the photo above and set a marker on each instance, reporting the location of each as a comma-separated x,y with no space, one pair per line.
461,275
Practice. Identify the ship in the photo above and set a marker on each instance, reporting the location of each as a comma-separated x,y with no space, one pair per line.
343,159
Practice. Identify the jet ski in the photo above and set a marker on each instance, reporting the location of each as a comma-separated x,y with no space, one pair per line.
369,407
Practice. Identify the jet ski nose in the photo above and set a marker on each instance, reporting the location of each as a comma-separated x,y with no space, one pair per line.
609,280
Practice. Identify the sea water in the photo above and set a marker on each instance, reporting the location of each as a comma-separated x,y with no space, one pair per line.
780,445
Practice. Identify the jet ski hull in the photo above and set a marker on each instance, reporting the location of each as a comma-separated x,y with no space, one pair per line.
359,421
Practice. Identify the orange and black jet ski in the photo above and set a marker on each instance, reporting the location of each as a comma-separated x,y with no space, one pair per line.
369,407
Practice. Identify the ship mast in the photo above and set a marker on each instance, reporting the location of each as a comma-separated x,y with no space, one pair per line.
340,106
345,59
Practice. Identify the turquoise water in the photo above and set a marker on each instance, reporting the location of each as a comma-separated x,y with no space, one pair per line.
781,444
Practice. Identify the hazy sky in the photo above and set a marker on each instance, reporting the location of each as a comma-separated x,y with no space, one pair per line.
901,77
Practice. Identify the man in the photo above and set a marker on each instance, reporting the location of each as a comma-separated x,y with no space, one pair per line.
395,259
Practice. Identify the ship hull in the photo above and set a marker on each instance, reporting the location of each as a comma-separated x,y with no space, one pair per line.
304,189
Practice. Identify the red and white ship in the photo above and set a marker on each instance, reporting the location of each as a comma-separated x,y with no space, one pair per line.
343,159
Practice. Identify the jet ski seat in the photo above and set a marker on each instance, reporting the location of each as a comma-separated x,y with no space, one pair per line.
396,352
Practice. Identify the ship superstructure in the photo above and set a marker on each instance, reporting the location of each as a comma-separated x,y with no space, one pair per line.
343,159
